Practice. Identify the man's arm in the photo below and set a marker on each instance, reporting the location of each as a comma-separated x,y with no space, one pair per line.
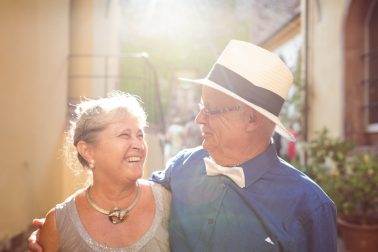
164,177
320,229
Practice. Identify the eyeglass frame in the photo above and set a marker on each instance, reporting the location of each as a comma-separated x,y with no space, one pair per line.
208,112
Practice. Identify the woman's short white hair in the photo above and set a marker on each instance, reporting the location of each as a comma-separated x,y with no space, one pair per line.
94,115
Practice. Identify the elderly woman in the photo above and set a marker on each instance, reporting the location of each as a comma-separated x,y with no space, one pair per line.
117,211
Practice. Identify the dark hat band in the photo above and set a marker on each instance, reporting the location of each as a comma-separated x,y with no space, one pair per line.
240,86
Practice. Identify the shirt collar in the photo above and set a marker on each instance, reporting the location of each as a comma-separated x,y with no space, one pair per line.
256,167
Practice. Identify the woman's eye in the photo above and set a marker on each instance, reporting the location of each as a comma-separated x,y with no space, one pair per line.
141,136
125,135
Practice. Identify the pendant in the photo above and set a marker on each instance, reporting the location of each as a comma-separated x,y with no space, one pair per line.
117,216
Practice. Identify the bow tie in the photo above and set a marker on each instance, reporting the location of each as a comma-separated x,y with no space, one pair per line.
236,174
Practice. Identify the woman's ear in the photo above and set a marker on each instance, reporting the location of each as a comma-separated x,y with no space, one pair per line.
85,150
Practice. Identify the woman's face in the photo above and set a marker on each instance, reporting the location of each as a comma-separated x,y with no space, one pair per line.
119,151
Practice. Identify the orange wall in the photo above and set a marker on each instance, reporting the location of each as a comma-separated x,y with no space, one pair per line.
33,94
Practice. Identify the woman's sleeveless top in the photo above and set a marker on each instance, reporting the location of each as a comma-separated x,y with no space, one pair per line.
74,237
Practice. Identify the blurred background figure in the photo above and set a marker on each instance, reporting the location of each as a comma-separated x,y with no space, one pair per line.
174,139
277,143
192,134
289,150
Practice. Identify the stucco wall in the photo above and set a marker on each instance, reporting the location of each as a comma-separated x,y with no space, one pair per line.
94,47
326,66
33,94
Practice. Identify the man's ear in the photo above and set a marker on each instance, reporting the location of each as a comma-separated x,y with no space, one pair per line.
84,150
253,119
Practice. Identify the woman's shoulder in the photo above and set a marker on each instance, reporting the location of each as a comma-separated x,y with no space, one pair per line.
70,199
50,217
155,186
162,195
145,182
156,193
48,235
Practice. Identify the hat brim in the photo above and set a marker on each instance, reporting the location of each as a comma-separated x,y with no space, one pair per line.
280,129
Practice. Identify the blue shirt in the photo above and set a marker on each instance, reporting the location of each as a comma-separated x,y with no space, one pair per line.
280,209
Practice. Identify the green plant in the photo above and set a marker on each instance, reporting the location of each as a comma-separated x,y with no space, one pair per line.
349,178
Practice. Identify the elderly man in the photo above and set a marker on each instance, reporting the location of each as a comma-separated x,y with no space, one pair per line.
235,193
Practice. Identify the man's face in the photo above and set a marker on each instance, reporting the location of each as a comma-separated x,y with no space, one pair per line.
223,123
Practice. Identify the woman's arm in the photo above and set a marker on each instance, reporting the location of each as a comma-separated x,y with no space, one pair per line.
48,236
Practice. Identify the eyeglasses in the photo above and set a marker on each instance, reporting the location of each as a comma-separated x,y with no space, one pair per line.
208,111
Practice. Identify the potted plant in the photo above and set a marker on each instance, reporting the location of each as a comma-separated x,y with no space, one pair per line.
350,177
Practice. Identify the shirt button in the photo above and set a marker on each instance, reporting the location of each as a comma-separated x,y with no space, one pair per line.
210,221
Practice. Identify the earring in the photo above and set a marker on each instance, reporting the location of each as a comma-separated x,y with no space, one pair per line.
92,164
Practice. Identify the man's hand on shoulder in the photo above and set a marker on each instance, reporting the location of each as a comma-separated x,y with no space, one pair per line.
33,245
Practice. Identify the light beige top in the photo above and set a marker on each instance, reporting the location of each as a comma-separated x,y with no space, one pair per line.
73,236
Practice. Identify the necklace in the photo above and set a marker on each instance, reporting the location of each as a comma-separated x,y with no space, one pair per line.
116,215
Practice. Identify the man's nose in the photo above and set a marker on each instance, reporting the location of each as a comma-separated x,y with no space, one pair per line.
201,117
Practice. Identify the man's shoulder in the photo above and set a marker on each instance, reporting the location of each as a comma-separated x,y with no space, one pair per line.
189,155
183,164
299,182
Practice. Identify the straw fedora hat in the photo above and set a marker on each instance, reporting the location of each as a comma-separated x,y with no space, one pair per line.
254,76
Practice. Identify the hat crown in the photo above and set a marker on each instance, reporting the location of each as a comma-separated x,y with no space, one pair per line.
254,76
257,65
